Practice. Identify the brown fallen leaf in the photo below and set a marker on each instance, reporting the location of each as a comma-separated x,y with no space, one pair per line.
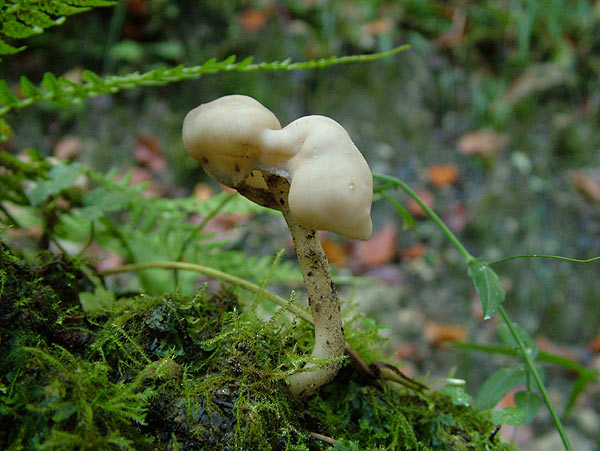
379,26
484,143
439,334
67,148
415,209
442,174
253,19
587,185
456,216
413,251
379,250
141,175
335,252
595,343
545,344
203,191
220,223
405,351
104,258
147,152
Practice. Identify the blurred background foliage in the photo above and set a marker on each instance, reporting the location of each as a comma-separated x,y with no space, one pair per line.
493,116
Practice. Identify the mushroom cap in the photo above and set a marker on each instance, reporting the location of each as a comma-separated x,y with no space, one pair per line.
331,186
225,136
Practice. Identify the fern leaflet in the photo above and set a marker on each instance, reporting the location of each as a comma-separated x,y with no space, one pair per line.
20,19
64,92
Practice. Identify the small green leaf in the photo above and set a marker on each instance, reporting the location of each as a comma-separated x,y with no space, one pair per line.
509,415
6,130
60,177
457,394
487,283
6,95
497,385
100,201
50,82
508,339
101,300
529,403
28,88
91,77
7,49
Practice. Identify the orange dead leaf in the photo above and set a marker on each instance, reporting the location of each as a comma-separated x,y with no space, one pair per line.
413,251
405,351
439,334
379,26
231,220
138,7
335,252
253,19
203,191
484,143
415,209
595,343
443,174
547,345
379,250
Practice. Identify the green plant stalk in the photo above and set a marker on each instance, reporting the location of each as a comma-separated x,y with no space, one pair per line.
537,378
554,257
469,258
432,214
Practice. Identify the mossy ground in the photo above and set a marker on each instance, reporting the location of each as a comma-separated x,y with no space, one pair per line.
180,372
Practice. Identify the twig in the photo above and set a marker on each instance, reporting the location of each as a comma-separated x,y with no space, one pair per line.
323,438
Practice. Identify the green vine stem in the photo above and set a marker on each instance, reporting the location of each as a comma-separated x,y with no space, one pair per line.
554,257
393,181
216,274
536,376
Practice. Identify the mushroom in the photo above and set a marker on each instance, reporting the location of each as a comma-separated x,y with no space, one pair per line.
313,173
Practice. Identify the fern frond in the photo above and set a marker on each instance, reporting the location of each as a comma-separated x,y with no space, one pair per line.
62,91
20,19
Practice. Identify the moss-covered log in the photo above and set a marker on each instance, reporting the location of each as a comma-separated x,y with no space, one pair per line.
187,372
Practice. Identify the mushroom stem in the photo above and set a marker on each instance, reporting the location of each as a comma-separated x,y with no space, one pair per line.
322,297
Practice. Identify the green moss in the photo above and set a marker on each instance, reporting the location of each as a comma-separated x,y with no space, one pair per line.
190,372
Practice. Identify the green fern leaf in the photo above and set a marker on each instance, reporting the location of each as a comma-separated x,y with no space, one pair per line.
29,89
17,30
37,19
58,90
7,49
20,19
90,77
50,83
7,98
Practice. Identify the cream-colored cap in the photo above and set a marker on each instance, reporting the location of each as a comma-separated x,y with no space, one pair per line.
331,186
